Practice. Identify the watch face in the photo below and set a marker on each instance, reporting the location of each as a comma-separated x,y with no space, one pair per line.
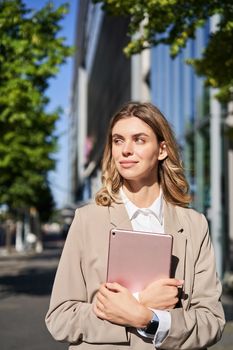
152,327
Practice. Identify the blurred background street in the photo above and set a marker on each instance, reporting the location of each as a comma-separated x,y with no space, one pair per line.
25,287
65,68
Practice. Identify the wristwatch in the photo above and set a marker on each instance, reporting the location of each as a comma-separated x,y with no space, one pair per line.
152,326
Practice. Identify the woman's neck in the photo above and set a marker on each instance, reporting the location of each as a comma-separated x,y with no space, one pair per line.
142,196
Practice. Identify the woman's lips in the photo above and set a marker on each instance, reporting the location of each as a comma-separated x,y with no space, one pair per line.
127,163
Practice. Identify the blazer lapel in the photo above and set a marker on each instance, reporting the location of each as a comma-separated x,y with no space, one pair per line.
173,226
119,217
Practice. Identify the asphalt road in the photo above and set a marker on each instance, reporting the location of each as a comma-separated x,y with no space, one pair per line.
25,288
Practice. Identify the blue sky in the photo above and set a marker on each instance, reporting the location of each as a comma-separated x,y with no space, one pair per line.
59,93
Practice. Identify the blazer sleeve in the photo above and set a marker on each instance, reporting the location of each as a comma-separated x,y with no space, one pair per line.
202,324
70,316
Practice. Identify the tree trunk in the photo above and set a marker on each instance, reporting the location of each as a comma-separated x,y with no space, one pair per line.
19,244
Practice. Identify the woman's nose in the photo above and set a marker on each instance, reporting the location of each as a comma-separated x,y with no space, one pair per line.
127,149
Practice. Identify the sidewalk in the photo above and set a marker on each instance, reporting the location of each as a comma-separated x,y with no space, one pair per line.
25,286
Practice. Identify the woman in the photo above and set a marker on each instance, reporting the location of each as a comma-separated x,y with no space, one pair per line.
144,188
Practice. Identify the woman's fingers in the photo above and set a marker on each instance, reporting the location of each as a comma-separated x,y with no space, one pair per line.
100,302
105,296
99,305
168,282
115,287
98,311
116,304
161,294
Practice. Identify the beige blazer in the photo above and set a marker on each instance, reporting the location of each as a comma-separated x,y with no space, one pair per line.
196,324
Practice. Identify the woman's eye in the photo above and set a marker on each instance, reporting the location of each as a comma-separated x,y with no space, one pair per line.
139,141
117,141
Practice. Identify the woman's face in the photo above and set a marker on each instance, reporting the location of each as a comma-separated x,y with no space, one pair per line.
136,151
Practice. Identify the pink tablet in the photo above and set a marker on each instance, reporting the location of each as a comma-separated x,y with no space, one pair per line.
136,258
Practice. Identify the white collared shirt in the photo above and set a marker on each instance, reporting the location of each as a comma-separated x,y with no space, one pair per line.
145,219
150,220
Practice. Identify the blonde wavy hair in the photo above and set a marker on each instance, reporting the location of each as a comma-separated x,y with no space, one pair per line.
170,170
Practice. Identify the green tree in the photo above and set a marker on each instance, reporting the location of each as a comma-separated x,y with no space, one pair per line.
31,52
173,22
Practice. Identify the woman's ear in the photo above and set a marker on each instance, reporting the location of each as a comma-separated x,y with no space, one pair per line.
162,150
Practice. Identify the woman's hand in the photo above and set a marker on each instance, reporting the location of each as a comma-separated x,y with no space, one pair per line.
161,294
116,304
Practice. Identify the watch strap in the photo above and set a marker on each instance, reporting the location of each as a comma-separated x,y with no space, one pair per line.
152,326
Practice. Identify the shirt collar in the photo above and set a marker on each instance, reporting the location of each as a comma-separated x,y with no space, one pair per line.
156,207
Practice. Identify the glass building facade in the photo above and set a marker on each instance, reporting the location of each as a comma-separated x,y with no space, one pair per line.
190,107
182,97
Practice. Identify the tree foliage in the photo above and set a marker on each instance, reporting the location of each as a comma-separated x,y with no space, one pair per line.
30,54
173,22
